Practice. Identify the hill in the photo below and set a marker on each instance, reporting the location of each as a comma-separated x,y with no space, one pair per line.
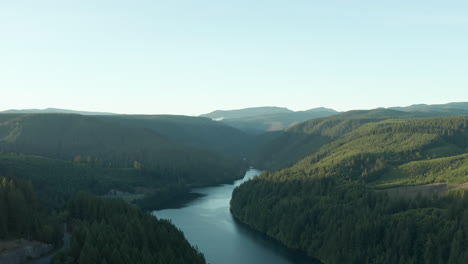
460,108
246,112
263,119
197,132
52,111
277,150
108,153
334,205
102,142
281,149
111,231
393,142
258,120
104,230
156,159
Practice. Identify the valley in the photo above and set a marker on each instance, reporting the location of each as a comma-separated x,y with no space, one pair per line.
234,132
379,180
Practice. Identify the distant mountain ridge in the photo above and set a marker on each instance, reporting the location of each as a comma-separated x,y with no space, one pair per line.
259,111
52,111
257,120
247,112
433,107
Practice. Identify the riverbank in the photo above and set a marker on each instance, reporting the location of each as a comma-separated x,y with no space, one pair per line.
208,224
274,240
177,196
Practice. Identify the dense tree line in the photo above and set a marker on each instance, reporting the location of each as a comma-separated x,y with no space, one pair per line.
111,231
171,196
55,181
21,215
349,223
105,230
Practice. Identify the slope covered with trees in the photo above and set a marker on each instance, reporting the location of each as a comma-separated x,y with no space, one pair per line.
101,153
283,149
62,154
328,204
111,231
104,230
196,132
55,181
350,223
22,215
86,139
278,150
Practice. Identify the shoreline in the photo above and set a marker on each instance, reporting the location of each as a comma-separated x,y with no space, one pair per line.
293,250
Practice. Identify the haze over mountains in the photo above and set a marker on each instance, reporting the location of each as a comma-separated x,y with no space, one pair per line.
254,120
433,107
257,120
52,111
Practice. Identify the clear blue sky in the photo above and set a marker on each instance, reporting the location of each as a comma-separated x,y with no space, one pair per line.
191,57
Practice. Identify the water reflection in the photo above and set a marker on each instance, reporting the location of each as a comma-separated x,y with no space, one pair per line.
208,223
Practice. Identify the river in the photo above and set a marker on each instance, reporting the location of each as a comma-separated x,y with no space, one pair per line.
208,224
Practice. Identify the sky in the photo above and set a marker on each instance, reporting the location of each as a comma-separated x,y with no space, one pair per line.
193,57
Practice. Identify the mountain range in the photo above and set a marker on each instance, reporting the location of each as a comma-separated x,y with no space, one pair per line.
52,111
257,120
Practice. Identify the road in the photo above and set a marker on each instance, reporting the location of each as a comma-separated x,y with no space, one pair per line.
66,244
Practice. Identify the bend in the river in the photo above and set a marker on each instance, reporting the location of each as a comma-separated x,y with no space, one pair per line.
207,223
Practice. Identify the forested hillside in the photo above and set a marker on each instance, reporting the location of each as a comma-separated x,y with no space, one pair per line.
50,157
111,231
278,150
333,203
283,149
197,132
55,181
22,215
104,230
103,143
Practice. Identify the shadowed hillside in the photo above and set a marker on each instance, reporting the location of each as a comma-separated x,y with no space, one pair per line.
104,143
196,132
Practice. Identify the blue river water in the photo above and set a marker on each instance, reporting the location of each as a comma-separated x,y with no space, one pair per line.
208,224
